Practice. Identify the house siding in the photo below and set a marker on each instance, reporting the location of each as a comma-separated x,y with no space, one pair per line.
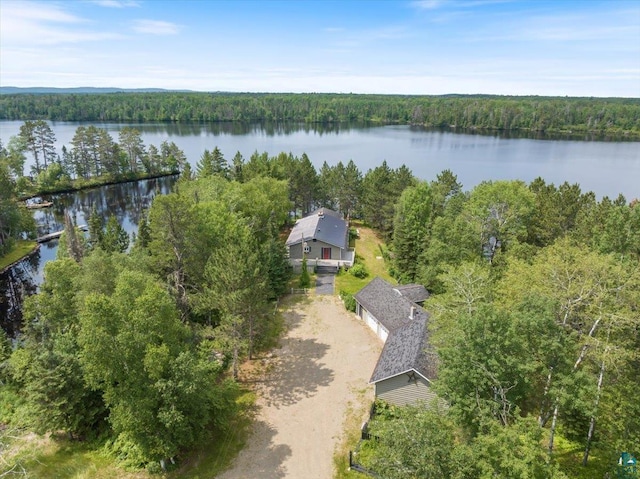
295,251
315,250
373,323
400,391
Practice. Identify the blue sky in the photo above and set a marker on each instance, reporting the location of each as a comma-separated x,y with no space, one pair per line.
574,48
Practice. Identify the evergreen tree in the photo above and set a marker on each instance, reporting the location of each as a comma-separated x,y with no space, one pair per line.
96,229
133,146
411,226
237,166
212,163
39,139
114,238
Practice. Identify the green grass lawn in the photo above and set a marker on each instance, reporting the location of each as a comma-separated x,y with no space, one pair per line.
368,250
20,250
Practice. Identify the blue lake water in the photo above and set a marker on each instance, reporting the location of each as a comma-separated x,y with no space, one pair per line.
604,167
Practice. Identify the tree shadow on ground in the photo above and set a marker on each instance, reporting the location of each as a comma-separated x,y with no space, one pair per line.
294,370
297,372
263,459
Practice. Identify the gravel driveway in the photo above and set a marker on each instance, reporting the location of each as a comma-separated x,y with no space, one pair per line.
323,366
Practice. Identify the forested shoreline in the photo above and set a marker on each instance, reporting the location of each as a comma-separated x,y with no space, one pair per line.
616,117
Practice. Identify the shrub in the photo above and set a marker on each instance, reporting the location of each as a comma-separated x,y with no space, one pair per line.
359,271
305,279
348,300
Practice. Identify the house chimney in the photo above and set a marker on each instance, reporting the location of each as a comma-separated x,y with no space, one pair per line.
412,312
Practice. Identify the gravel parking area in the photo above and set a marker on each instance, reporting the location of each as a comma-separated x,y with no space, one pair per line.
304,390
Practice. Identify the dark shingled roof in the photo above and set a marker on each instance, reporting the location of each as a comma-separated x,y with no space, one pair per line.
385,303
407,348
413,292
323,225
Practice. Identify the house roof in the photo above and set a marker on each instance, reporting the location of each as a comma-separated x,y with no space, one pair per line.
322,225
407,349
413,292
407,346
385,303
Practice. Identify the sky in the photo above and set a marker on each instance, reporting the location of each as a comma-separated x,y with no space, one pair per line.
433,47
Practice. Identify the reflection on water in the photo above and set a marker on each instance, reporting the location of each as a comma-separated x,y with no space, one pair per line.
126,201
15,285
604,167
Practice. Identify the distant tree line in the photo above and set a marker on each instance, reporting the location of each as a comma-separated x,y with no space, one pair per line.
610,116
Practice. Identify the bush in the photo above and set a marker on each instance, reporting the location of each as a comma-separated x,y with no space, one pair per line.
305,279
359,271
348,300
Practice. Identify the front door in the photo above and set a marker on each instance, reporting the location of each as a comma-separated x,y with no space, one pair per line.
326,253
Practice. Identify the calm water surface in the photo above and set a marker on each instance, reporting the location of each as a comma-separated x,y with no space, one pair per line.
604,167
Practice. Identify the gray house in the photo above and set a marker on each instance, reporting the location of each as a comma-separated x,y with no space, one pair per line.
407,364
323,237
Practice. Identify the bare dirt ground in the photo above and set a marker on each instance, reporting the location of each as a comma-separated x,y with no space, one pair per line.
304,391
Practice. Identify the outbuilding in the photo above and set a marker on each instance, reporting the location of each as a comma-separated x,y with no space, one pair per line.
408,363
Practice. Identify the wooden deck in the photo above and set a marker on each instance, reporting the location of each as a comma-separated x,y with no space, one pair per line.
57,234
35,206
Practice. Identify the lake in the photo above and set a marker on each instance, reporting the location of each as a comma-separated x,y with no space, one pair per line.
606,168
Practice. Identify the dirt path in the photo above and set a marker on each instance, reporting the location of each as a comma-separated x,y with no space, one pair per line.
323,365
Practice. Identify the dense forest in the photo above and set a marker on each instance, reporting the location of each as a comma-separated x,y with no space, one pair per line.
534,316
601,116
141,349
536,322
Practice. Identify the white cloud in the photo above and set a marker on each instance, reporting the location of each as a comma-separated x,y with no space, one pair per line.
156,27
33,23
36,12
436,4
116,3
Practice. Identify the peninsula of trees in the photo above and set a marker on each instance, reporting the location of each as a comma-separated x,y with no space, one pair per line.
94,158
618,117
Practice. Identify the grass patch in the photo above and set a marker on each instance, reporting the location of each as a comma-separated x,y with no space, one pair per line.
368,249
569,454
21,249
55,457
215,456
353,420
